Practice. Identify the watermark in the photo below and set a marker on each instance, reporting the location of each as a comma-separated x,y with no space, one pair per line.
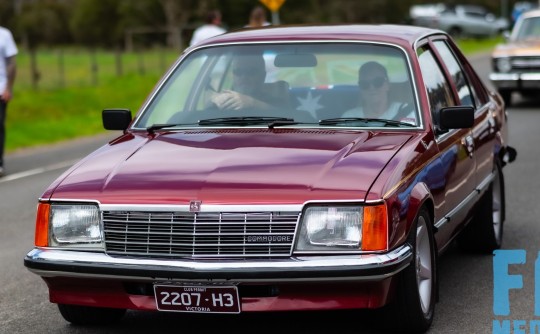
503,283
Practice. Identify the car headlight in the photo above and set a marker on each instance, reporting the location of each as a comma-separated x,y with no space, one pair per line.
343,228
503,64
68,225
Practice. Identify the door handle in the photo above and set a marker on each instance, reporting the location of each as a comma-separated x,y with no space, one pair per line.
468,143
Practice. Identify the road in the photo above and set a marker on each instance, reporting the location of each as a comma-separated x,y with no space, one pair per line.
466,281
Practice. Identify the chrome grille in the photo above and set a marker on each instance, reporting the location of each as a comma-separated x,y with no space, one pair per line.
526,63
199,235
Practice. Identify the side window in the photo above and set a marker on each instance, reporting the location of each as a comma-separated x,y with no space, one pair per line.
438,89
458,76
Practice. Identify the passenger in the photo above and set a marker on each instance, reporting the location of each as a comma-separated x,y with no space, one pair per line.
375,102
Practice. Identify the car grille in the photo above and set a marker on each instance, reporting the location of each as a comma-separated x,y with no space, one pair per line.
526,63
199,235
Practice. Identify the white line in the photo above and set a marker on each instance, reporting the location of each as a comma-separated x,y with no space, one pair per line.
20,175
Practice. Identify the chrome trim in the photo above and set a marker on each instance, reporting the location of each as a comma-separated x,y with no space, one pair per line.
211,207
485,183
458,208
479,189
397,259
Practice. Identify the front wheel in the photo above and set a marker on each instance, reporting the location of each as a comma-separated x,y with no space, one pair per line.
90,316
416,295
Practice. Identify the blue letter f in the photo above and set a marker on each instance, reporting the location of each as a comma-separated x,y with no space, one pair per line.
502,281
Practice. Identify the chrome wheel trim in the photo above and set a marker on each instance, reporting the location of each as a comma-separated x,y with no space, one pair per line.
497,208
424,265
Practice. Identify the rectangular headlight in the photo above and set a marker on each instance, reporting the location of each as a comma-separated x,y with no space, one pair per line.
74,225
343,228
331,228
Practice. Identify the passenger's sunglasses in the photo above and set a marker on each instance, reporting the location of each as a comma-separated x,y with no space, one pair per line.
376,83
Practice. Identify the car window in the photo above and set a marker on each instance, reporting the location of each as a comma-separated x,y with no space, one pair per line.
457,75
438,89
306,82
529,29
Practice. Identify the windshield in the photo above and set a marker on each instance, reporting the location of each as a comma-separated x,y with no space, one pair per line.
529,29
300,84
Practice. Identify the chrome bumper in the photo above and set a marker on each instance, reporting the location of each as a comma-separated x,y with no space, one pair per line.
364,267
515,80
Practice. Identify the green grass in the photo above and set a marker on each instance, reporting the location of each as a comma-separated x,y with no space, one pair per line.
471,46
69,98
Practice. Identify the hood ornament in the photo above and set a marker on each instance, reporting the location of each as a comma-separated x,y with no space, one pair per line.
195,206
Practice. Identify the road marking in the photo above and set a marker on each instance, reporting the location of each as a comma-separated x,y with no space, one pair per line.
20,175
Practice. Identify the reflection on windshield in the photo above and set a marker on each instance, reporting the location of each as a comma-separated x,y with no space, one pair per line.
297,84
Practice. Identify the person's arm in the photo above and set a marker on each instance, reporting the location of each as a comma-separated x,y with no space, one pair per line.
11,68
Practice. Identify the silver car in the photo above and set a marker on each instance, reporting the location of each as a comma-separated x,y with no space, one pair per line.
458,20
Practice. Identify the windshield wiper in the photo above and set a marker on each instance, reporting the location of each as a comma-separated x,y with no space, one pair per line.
246,120
387,122
155,127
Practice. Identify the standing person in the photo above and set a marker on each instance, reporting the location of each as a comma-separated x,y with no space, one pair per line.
257,18
8,51
210,29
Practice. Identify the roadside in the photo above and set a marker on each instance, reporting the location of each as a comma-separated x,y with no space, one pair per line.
52,156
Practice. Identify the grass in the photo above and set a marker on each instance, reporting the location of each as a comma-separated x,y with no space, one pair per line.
71,93
75,85
471,46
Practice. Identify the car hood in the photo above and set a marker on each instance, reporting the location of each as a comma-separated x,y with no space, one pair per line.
252,166
530,47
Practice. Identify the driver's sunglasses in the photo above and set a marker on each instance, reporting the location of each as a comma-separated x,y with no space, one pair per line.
376,83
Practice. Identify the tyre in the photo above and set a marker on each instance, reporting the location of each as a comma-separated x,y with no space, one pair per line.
455,32
416,295
90,316
485,232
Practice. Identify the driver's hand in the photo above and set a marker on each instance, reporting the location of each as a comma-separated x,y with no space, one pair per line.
229,99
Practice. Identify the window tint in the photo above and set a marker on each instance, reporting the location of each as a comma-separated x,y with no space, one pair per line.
458,76
438,89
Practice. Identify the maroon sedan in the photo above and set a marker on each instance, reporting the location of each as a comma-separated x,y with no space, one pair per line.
281,169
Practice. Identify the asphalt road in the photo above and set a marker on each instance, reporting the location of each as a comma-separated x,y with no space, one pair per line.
466,281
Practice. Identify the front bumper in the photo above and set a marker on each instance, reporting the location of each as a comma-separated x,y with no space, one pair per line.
515,81
365,267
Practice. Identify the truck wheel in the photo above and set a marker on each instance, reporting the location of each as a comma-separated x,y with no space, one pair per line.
90,316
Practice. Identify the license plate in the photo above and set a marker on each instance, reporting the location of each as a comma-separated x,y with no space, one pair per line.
197,299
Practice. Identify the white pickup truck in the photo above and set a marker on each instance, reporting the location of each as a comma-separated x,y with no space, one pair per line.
458,20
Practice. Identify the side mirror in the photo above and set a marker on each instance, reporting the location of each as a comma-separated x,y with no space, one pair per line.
506,35
116,119
459,117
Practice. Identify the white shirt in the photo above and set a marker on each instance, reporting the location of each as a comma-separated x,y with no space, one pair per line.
204,32
391,113
7,49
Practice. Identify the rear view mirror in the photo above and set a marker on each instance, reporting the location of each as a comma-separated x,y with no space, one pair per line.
116,119
295,60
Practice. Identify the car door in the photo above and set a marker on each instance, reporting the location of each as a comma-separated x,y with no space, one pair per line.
471,91
456,147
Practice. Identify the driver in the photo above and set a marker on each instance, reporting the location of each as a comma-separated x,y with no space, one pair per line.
249,89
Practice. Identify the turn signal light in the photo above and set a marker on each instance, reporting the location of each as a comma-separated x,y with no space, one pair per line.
42,225
375,228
